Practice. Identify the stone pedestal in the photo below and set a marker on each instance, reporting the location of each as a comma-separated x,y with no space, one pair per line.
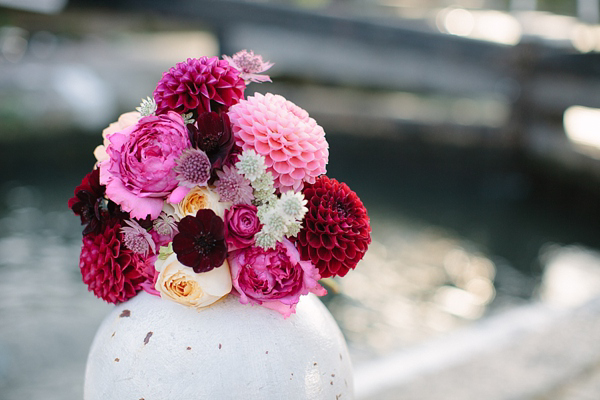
154,349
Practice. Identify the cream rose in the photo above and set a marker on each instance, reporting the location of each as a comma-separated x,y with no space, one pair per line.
200,198
124,121
181,284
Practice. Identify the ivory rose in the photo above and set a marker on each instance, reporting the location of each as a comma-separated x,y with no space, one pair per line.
200,198
181,284
124,121
139,171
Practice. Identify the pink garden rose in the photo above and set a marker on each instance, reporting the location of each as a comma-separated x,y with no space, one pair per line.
241,224
139,172
273,278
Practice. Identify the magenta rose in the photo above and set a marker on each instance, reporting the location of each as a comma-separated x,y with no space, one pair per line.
139,172
241,224
273,278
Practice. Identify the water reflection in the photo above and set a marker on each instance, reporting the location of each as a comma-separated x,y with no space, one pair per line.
414,283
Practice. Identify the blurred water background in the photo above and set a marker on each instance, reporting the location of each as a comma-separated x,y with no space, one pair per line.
450,121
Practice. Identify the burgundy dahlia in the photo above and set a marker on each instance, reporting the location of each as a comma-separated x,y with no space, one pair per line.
199,85
110,271
336,231
200,243
89,203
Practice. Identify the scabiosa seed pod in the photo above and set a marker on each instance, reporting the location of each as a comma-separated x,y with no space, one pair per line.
194,84
336,231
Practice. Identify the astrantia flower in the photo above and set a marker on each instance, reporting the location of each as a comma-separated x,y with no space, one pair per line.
89,203
200,243
199,84
213,136
292,143
165,225
265,240
193,168
274,278
293,205
264,182
252,166
233,187
109,270
147,107
250,66
336,230
137,239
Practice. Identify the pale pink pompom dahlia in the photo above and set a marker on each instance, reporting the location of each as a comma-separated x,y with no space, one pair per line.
292,143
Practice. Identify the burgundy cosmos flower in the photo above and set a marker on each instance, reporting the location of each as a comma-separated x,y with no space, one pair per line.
88,203
213,136
336,230
110,271
200,243
199,85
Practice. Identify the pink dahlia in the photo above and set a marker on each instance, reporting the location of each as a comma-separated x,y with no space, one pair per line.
193,84
336,231
111,272
292,143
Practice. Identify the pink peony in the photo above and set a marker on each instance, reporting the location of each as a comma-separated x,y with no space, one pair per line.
241,224
193,84
140,171
292,143
273,278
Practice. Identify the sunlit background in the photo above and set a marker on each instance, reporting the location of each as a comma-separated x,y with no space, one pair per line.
470,129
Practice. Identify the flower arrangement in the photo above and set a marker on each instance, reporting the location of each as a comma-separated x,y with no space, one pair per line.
204,192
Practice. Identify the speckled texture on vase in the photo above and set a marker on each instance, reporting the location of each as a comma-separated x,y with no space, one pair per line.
154,349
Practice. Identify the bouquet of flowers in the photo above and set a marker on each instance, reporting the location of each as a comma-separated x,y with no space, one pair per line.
204,192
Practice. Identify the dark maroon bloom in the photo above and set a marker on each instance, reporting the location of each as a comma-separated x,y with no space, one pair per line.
199,85
109,270
213,136
336,230
90,205
200,243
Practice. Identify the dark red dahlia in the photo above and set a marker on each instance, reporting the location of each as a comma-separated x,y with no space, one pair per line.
199,85
110,271
213,136
200,243
336,231
90,205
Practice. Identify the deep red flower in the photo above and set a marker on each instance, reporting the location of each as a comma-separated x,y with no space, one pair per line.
336,231
111,272
200,243
89,203
213,136
199,85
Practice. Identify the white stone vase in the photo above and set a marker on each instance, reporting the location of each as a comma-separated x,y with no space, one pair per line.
154,349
